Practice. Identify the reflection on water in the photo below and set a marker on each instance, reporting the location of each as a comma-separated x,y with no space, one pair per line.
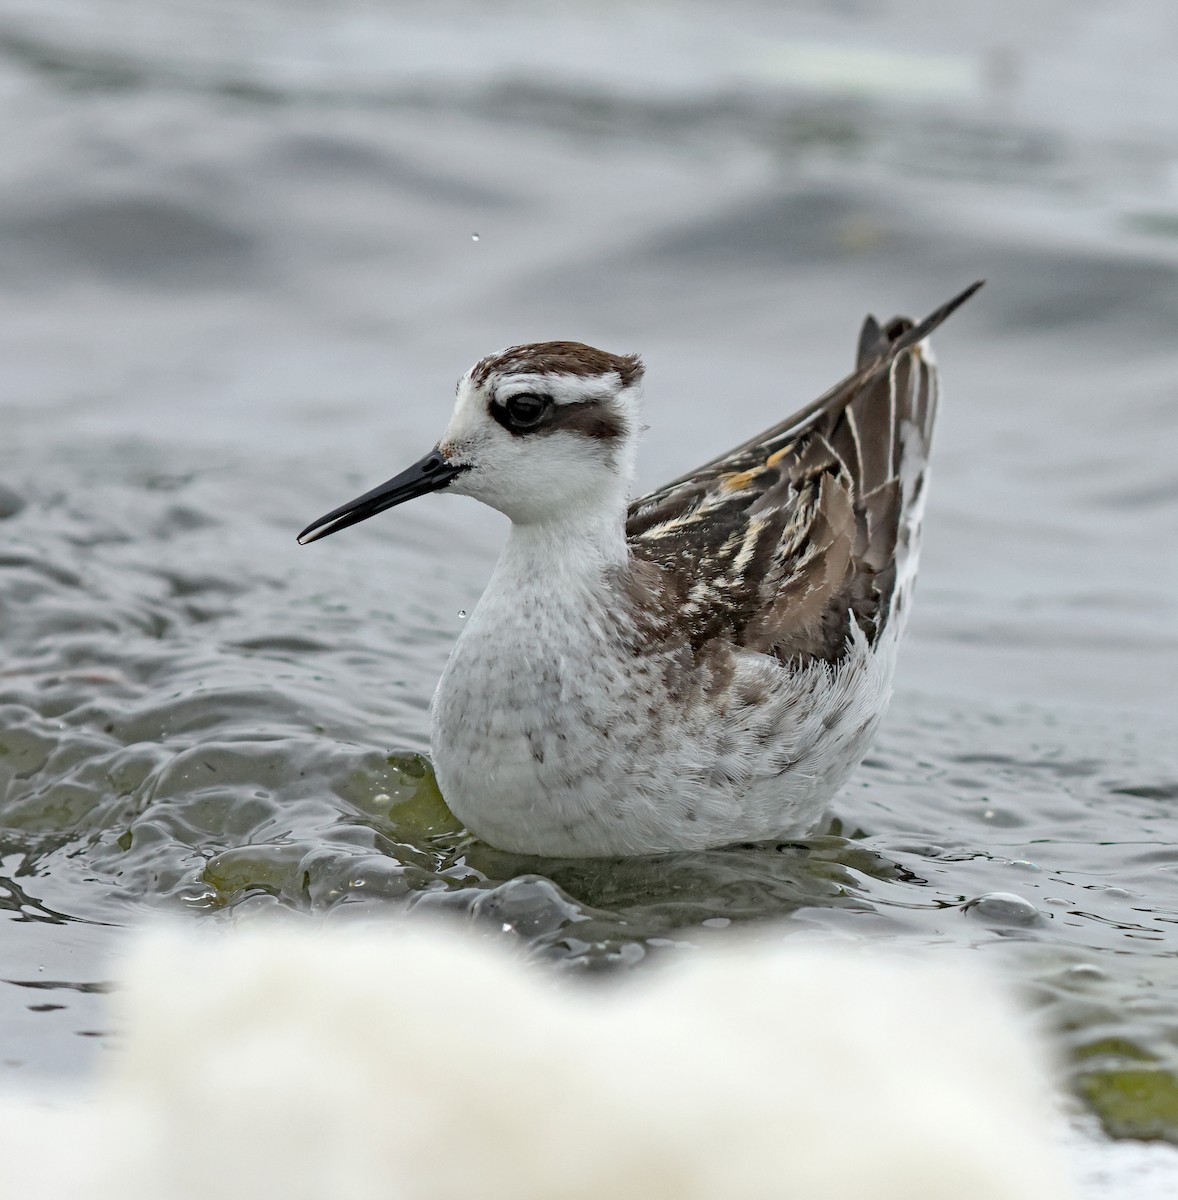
225,305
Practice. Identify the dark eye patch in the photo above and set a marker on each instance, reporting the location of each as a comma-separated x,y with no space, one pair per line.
522,413
532,412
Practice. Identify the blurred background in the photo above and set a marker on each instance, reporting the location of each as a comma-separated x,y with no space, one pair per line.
245,251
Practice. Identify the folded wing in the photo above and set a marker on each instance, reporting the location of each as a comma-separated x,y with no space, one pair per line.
777,545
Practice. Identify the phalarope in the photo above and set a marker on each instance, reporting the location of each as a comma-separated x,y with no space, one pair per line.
701,666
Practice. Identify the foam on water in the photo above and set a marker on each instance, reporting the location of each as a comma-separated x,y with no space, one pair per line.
309,1064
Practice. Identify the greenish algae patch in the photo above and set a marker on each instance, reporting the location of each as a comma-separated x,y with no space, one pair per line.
660,895
269,866
1133,1102
394,837
1113,1047
402,798
60,807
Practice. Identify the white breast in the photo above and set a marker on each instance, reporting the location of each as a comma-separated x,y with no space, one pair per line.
550,736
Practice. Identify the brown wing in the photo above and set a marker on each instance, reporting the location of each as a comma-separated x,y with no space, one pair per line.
772,545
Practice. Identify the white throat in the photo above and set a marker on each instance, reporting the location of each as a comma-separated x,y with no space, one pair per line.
562,556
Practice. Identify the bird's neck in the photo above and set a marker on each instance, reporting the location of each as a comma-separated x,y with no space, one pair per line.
573,552
552,597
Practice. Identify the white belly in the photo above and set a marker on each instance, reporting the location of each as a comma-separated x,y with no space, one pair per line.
549,737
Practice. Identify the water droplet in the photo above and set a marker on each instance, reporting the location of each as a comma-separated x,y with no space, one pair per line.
1085,971
1002,908
474,237
462,614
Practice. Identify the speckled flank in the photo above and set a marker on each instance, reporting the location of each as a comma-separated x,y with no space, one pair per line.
590,743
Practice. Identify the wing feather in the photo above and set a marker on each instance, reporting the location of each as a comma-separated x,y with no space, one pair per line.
777,544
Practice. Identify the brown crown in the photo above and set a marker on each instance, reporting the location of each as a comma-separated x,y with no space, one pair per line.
559,358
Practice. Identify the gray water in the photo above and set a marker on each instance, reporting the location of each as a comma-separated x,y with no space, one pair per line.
247,249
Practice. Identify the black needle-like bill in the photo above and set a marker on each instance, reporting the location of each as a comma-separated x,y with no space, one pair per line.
429,474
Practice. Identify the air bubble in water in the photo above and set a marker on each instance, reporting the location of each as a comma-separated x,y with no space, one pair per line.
462,614
1002,908
474,237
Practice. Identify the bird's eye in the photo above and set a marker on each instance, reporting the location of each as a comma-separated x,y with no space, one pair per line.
525,410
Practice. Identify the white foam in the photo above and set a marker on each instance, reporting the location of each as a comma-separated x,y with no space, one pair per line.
287,1063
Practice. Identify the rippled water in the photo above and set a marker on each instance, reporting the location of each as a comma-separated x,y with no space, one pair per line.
239,280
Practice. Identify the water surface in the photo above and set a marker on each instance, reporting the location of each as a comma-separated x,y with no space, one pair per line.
240,278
